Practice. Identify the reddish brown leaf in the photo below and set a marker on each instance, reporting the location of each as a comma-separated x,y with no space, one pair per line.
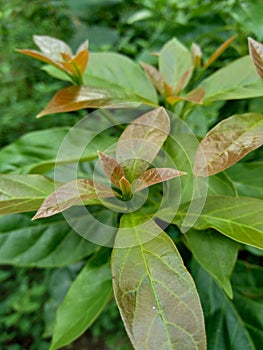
256,54
154,176
228,142
219,51
155,77
183,81
72,193
78,97
111,168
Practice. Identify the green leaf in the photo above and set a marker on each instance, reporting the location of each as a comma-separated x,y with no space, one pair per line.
216,253
221,184
239,218
114,71
225,328
235,81
247,177
174,62
228,142
37,151
72,193
154,176
21,193
85,300
140,142
44,243
256,54
248,298
155,293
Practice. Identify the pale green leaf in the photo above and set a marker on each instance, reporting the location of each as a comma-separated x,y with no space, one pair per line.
216,253
228,142
237,80
85,300
45,243
21,193
239,218
154,291
174,62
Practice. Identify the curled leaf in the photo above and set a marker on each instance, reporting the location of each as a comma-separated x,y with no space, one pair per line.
72,193
256,54
228,142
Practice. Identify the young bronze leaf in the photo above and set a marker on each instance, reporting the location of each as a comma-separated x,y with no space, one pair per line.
228,142
141,141
219,51
195,96
196,54
256,54
72,193
154,176
52,47
155,293
155,77
78,97
111,168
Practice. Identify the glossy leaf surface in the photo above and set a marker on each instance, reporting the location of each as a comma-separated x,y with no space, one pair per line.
216,253
256,54
154,176
238,79
174,61
72,193
85,300
239,218
44,243
225,327
22,193
228,142
155,293
140,142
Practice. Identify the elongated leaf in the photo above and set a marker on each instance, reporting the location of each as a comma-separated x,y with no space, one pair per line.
196,54
247,177
216,253
225,327
72,193
154,176
112,168
44,243
219,51
256,53
228,142
174,61
36,152
195,96
239,218
237,80
155,293
80,97
248,298
141,141
21,193
52,47
85,300
155,76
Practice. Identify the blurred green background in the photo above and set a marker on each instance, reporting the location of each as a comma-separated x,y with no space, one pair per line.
29,297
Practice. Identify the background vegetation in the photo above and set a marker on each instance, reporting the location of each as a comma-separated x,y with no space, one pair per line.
29,297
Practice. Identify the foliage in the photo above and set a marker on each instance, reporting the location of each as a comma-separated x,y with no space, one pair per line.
130,175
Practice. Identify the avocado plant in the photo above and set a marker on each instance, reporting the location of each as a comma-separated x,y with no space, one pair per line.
162,204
